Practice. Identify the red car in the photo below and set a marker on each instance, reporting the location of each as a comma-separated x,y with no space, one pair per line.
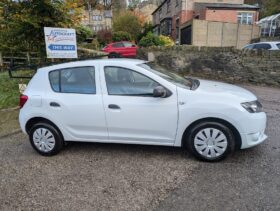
120,49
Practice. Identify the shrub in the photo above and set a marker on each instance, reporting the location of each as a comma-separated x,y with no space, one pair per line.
121,36
104,36
149,40
147,28
83,33
166,41
93,45
128,22
153,40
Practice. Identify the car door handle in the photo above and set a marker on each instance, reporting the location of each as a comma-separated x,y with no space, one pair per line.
113,106
54,104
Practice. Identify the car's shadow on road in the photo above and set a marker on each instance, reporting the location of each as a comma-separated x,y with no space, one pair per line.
238,156
129,149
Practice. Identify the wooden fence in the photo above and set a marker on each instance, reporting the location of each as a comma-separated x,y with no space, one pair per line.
32,58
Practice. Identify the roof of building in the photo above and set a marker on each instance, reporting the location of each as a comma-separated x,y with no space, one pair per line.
228,6
159,6
269,18
218,5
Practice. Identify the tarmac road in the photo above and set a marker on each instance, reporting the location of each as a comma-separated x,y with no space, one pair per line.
128,177
249,180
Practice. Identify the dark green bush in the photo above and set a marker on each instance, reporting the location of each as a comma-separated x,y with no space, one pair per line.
121,36
149,40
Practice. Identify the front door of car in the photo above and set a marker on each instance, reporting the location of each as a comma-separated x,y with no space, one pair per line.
76,102
130,49
133,115
119,48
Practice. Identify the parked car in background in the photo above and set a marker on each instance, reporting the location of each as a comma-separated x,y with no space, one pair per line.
131,101
120,49
272,46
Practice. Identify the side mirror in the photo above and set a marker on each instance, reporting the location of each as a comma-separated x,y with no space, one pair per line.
160,91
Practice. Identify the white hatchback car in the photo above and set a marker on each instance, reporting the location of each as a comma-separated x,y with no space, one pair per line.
271,46
134,102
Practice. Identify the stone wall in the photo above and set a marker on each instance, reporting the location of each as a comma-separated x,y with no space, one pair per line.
226,64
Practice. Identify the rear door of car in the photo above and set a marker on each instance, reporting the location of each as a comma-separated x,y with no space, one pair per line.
75,101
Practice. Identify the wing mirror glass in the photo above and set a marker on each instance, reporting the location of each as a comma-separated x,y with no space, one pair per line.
160,91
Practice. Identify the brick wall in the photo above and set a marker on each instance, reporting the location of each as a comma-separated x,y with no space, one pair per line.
229,16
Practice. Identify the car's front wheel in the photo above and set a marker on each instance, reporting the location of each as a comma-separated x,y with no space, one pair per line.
210,141
45,139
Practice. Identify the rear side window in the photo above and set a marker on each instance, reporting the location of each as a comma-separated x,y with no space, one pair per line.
79,80
278,45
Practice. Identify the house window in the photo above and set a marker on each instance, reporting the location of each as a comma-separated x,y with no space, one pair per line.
177,3
97,17
168,6
166,27
177,29
160,13
245,18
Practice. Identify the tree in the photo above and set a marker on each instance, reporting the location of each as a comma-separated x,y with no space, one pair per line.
128,22
22,23
132,4
268,7
271,7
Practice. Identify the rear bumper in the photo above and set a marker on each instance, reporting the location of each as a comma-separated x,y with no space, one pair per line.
22,121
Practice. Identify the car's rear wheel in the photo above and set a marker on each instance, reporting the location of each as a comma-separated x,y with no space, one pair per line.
45,139
210,141
114,55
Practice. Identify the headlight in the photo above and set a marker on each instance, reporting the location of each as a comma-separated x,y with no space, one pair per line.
253,107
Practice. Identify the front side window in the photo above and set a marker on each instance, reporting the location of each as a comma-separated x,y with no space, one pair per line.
245,18
118,45
122,81
168,75
278,45
127,44
79,80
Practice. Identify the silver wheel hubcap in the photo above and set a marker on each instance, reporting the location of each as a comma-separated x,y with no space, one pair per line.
43,139
210,142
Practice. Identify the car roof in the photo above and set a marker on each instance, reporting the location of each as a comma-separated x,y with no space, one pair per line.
91,62
118,42
274,42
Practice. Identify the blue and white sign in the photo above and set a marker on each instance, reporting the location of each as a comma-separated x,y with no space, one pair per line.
60,42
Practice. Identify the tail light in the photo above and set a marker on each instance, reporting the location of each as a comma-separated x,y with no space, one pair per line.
22,100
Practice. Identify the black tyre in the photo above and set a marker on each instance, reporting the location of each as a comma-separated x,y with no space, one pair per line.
210,141
45,139
114,55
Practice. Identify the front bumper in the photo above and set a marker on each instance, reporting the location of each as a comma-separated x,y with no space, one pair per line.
255,131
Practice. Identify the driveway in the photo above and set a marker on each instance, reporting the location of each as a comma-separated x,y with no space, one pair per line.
128,177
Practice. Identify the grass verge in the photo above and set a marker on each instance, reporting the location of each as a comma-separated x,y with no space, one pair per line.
9,91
